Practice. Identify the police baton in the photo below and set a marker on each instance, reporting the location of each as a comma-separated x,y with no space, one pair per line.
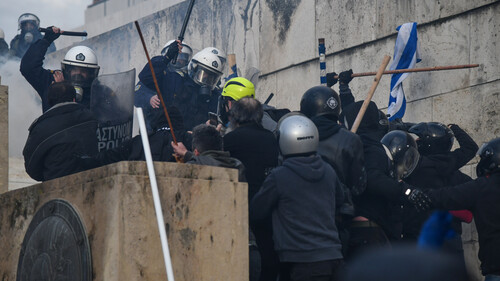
65,33
183,30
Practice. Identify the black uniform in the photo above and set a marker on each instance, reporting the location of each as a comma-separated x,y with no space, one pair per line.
481,197
57,139
4,48
181,91
18,46
39,77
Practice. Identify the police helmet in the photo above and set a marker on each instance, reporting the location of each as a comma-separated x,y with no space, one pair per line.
401,149
297,135
80,66
433,137
206,66
490,158
28,18
320,100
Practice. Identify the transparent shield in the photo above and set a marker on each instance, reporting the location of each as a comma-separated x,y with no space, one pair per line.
112,102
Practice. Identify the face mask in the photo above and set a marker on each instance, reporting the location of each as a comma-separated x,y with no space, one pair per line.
204,90
79,93
28,37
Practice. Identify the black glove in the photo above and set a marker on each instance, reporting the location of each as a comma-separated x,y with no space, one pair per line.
418,198
50,35
345,76
330,79
173,50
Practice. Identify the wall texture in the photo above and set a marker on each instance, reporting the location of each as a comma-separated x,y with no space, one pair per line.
276,42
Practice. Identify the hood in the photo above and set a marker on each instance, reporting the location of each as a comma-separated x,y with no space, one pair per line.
369,123
310,168
327,125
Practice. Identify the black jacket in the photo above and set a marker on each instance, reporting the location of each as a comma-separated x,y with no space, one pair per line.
218,159
302,196
436,171
343,150
257,149
57,139
381,201
18,46
481,196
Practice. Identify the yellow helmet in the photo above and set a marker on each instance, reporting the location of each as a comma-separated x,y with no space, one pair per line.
238,88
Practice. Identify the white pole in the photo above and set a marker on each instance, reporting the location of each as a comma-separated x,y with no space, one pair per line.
156,195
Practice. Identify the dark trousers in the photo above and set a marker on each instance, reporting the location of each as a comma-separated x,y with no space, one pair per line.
269,258
365,237
315,271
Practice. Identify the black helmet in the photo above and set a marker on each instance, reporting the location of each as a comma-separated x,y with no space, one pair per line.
490,158
402,151
320,100
433,137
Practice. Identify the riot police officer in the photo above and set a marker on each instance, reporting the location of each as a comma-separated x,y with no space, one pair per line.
28,25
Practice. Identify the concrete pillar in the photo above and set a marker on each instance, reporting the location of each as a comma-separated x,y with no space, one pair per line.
4,138
205,210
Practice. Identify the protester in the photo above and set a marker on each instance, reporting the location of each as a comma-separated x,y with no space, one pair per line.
195,94
438,166
339,147
207,150
79,67
481,197
303,196
59,137
257,148
238,88
28,25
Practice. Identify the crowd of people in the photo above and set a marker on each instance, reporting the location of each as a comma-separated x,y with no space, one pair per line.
320,195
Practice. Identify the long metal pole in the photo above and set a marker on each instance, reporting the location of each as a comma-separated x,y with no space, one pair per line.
322,61
156,195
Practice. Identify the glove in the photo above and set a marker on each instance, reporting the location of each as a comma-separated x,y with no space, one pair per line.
418,198
436,230
50,35
330,79
345,76
173,50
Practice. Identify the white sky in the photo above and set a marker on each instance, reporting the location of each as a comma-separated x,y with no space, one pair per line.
66,14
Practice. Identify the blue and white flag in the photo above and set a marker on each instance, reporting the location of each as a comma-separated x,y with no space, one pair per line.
406,55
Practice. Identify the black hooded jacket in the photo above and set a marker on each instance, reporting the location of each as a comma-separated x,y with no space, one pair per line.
57,139
302,196
381,201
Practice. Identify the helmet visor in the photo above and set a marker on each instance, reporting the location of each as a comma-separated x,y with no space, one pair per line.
205,76
77,75
406,165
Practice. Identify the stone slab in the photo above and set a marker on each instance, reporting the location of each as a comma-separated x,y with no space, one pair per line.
205,211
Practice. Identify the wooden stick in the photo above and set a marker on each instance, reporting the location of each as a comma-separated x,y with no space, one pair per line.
376,80
231,59
156,82
435,68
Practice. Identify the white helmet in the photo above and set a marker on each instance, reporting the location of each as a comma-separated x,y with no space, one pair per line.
206,67
80,66
28,17
182,59
2,35
297,135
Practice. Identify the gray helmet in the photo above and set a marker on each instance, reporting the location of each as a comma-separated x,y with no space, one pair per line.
297,135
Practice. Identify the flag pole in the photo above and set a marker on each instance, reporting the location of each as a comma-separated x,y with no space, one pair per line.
376,80
322,61
423,69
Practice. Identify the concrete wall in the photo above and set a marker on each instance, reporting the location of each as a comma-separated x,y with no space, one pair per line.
278,40
205,210
4,138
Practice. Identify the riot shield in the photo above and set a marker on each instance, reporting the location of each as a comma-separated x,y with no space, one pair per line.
112,102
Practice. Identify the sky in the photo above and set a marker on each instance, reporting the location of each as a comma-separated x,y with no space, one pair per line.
66,14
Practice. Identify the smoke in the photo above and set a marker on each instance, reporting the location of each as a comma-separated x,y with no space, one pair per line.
24,106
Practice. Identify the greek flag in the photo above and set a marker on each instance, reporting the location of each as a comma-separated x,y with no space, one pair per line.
406,55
